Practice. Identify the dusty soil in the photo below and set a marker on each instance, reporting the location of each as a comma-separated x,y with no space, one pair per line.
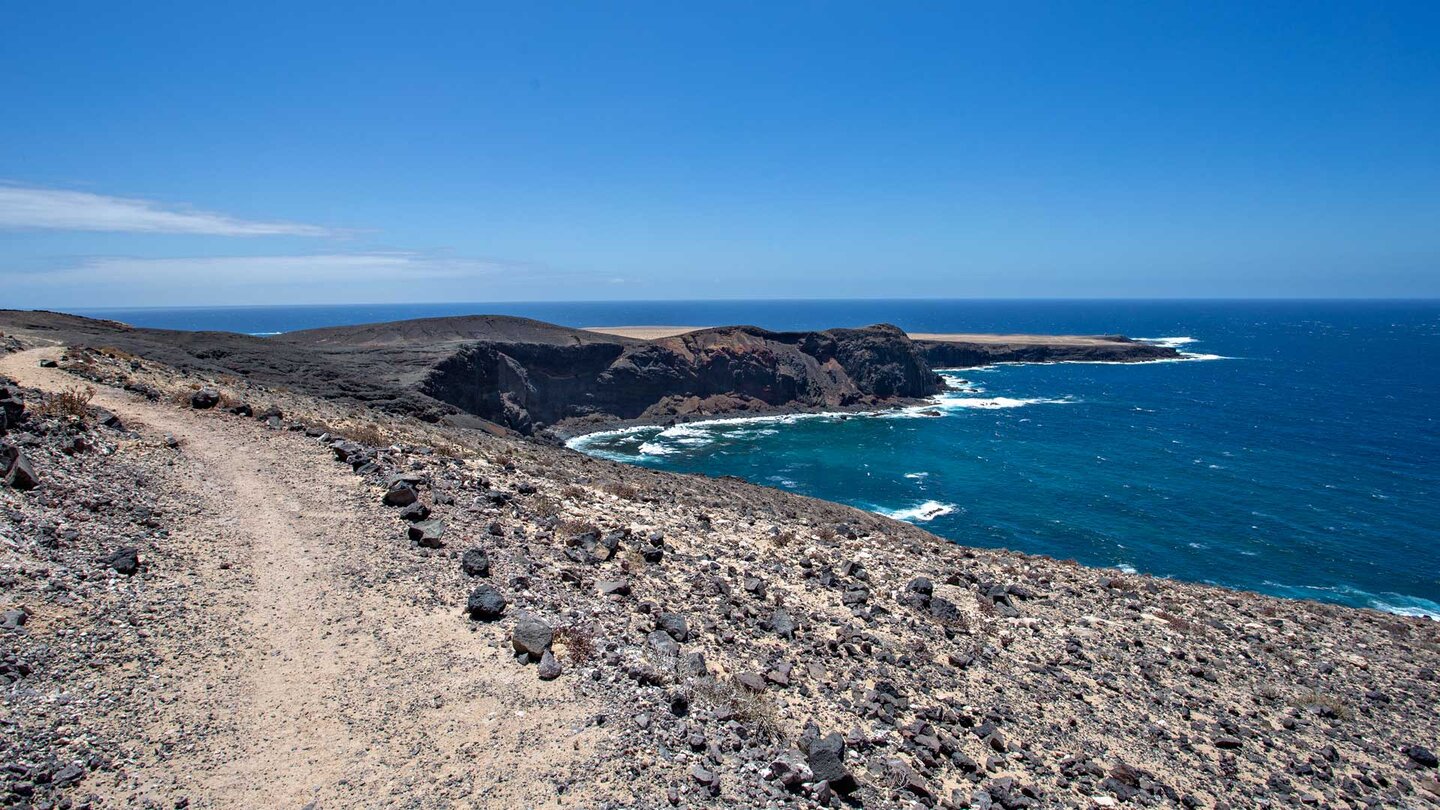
302,664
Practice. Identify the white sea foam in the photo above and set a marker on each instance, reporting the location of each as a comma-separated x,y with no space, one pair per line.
917,475
1171,342
264,334
1398,603
923,512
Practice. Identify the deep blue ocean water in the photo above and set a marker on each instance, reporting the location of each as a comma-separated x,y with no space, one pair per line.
1305,463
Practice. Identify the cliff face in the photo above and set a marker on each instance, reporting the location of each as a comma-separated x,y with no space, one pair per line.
527,375
525,385
969,354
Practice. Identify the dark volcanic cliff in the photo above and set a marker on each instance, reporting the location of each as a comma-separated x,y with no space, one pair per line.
960,353
526,374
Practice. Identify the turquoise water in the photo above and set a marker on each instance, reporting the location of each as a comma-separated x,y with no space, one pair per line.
1304,463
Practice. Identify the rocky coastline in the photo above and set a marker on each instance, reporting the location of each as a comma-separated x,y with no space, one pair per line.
221,593
529,377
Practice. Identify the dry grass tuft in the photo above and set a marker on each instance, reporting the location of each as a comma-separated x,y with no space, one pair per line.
621,489
755,709
1330,703
73,402
576,642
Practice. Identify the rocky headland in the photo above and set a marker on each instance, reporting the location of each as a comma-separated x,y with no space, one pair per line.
223,590
528,376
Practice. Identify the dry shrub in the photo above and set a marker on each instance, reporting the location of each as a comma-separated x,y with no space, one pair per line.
1176,623
574,527
367,433
826,533
1313,697
118,354
576,642
782,539
72,402
574,492
755,709
544,506
621,489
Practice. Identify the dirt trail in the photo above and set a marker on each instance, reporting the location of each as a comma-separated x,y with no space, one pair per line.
307,666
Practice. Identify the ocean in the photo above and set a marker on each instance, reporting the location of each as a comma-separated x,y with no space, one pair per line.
1297,453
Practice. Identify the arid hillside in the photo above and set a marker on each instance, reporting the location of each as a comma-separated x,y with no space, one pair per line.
219,593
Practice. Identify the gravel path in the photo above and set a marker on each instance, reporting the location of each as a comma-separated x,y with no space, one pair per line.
310,667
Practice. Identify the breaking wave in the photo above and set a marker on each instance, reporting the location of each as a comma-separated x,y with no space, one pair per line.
919,513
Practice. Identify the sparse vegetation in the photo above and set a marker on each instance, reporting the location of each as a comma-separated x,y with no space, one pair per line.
754,709
73,402
621,489
576,642
1327,703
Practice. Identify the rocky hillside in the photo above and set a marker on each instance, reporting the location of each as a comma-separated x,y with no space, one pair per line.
220,594
524,374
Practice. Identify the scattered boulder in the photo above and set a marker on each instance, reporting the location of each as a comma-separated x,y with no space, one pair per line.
415,512
532,637
613,587
204,399
782,624
674,624
48,363
475,563
826,758
549,667
400,494
15,469
1423,757
485,604
124,560
427,533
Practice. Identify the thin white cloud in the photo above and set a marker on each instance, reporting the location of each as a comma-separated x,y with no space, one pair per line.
23,207
270,271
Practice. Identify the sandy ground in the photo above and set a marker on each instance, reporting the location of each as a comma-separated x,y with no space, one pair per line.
308,673
644,332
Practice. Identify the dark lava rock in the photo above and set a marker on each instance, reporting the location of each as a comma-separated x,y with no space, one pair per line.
549,667
661,642
782,624
400,494
613,587
48,363
674,624
485,603
826,759
427,533
204,399
531,636
415,512
475,563
242,409
15,469
124,560
1423,757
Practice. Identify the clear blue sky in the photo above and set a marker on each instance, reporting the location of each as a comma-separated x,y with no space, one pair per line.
204,153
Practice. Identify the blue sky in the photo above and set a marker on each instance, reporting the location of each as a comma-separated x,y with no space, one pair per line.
194,154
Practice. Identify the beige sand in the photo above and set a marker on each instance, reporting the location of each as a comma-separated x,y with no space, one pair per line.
644,332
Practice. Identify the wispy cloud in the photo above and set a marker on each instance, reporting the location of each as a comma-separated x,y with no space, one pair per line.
401,268
24,207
